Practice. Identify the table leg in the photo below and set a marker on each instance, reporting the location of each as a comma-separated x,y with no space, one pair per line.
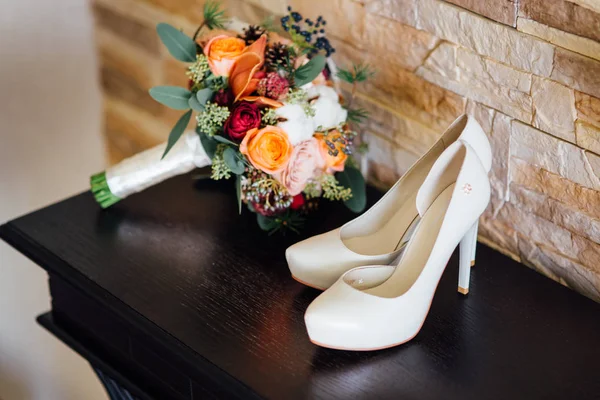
114,390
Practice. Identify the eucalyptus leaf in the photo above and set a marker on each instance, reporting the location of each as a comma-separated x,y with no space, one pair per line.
352,178
195,104
233,161
265,223
209,145
177,131
223,139
181,46
309,71
172,96
238,192
204,95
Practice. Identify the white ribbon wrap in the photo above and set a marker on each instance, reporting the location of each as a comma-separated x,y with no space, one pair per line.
146,169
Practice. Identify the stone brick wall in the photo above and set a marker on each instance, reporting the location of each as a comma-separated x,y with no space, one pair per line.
528,70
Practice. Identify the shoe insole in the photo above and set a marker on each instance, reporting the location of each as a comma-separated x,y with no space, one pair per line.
392,235
417,251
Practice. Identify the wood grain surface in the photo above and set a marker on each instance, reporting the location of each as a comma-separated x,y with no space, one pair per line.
179,261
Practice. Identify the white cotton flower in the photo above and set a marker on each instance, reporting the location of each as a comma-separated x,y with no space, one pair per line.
328,111
299,126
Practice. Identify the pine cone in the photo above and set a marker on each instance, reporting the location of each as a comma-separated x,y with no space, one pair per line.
252,33
276,56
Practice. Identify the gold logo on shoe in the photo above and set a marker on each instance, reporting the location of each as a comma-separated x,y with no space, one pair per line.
467,188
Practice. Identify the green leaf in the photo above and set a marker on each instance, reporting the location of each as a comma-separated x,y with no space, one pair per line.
172,96
309,71
352,178
204,95
265,223
209,145
177,131
238,192
233,161
195,104
181,46
223,139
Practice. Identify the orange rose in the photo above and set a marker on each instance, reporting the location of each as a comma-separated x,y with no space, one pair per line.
222,51
333,162
245,73
267,149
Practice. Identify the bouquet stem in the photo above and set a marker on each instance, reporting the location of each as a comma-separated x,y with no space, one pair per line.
146,169
101,190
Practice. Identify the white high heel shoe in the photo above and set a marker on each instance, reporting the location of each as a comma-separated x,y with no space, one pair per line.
379,235
371,308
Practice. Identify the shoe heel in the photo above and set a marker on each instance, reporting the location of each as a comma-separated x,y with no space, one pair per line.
466,258
474,247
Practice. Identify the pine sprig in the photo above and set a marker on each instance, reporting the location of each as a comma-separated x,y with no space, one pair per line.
357,115
214,16
357,73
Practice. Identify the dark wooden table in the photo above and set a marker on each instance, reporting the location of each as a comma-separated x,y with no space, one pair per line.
171,294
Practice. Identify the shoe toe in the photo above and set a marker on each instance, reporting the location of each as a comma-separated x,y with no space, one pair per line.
315,261
331,320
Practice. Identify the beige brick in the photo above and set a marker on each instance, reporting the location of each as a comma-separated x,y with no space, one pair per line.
554,108
275,7
382,41
481,79
485,37
248,12
408,93
504,11
136,64
147,14
553,210
578,44
593,5
128,28
381,175
500,142
118,85
383,151
552,154
345,18
190,9
562,269
397,127
588,108
577,71
130,130
499,234
539,230
555,186
404,11
564,15
588,136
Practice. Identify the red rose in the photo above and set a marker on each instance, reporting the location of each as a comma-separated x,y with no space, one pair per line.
244,116
297,201
223,98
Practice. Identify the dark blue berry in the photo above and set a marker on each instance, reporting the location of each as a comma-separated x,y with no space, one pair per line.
322,31
289,8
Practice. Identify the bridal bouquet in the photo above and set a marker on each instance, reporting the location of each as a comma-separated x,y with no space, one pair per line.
268,114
